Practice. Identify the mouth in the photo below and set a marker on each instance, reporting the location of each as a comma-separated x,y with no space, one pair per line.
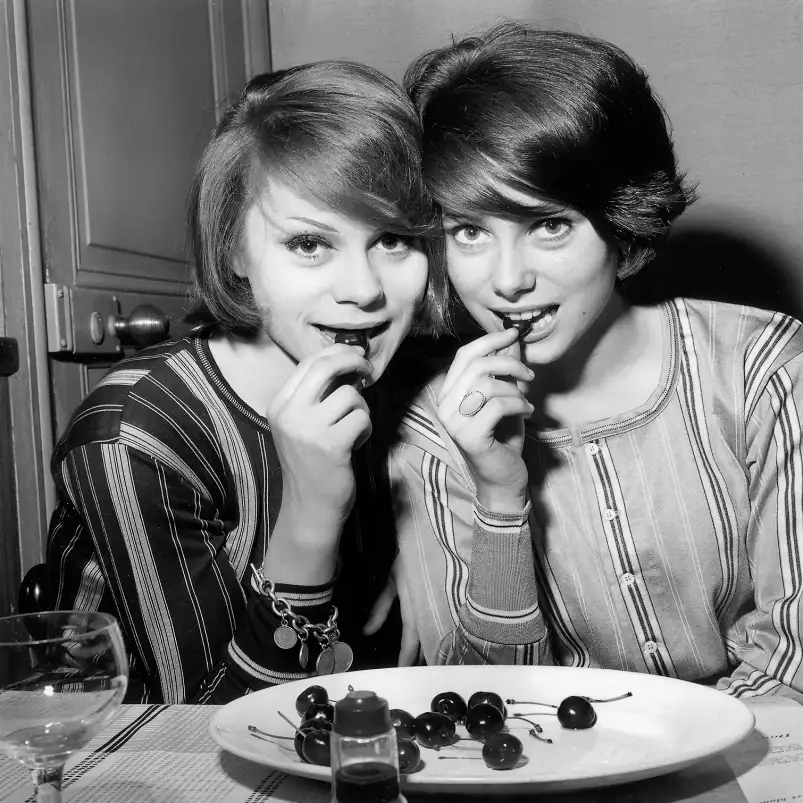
352,335
532,323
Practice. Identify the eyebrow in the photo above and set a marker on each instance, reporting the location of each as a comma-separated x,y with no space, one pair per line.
317,223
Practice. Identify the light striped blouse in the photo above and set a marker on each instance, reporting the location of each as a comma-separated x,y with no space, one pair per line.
168,488
666,540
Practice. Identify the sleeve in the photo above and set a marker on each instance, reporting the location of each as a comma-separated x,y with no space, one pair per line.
470,572
767,642
152,541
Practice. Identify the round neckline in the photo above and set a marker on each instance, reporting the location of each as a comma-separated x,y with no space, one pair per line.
223,388
658,399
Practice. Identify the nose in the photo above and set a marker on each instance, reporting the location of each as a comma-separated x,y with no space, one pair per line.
512,276
357,282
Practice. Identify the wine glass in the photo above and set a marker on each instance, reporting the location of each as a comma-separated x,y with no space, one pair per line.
63,675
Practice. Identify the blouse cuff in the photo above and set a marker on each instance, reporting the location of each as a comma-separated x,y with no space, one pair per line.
510,523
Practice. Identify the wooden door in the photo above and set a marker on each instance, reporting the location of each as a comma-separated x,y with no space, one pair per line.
125,95
105,106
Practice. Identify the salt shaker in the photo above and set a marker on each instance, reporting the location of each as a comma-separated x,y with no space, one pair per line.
365,758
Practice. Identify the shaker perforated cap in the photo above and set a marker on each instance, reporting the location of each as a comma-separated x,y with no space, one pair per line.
362,713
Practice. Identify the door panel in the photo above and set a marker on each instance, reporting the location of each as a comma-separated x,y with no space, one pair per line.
128,94
125,96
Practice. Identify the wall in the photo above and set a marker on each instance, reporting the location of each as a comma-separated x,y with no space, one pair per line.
730,73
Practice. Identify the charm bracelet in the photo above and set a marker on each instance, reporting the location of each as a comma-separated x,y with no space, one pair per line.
336,656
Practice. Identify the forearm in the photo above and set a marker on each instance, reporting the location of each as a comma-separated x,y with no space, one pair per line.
501,620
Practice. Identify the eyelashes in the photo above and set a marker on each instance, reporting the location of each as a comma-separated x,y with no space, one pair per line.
307,245
313,246
548,230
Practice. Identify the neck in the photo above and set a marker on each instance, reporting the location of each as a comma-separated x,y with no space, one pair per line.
257,369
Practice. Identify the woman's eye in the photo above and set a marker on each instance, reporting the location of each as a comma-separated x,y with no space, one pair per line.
554,228
393,244
307,246
468,235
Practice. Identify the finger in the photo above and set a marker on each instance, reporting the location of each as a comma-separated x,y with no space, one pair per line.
340,402
314,375
484,423
516,352
353,430
481,347
381,609
496,365
491,388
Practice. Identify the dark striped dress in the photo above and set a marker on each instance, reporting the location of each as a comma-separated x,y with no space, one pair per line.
666,540
168,489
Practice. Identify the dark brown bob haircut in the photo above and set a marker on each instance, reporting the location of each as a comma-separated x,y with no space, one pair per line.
338,133
568,118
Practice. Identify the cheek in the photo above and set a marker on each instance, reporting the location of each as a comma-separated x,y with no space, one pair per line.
468,277
404,285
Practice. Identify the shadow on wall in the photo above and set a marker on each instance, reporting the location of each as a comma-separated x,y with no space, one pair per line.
703,262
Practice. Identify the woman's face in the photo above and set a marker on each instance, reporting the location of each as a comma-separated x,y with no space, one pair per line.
314,273
553,270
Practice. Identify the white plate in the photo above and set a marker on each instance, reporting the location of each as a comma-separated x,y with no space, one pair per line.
667,724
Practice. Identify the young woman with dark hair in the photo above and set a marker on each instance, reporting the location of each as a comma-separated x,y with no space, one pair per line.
246,444
592,482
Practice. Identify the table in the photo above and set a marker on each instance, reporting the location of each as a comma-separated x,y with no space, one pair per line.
164,754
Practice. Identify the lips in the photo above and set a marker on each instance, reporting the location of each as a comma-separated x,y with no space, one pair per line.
351,334
528,321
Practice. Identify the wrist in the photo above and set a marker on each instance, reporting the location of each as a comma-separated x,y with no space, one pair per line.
501,500
302,551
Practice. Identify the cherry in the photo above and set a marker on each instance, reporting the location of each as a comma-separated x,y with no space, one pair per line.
483,721
315,749
576,713
433,729
312,695
324,711
451,704
403,723
502,751
487,697
303,729
409,756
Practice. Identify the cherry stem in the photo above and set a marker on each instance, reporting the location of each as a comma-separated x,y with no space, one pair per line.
258,732
299,732
350,687
532,714
610,699
534,732
270,741
528,702
536,729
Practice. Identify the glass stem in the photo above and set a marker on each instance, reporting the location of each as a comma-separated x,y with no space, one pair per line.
47,784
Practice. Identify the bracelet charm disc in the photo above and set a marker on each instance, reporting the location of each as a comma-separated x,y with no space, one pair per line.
344,657
325,663
285,637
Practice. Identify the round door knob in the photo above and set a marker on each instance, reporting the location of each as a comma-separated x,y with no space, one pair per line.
145,326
